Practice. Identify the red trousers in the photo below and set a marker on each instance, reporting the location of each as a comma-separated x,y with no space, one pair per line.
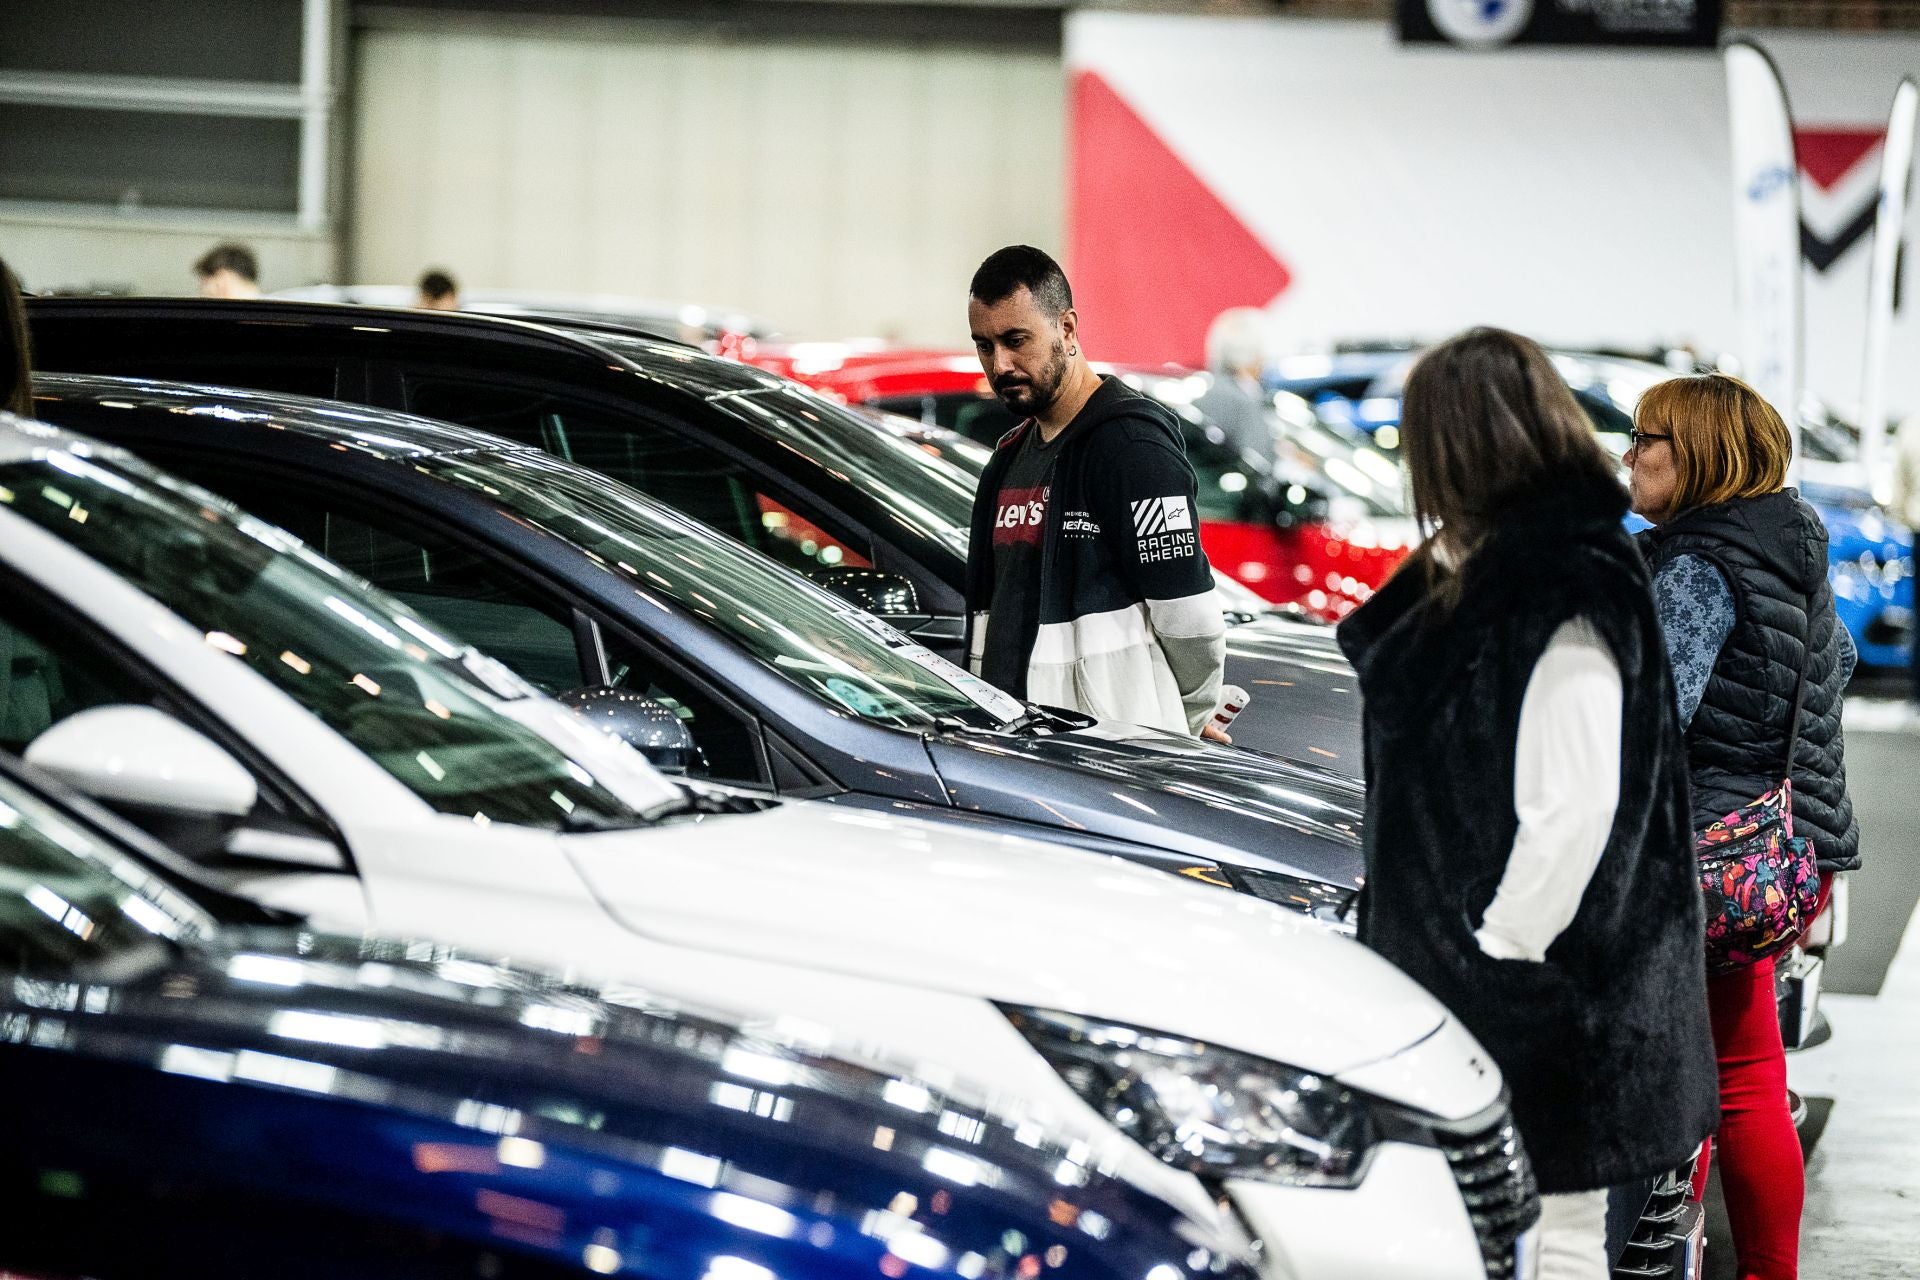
1762,1172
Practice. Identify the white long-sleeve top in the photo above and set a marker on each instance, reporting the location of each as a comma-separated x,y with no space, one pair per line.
1566,786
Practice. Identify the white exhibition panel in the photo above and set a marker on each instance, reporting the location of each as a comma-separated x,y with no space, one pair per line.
834,189
1582,196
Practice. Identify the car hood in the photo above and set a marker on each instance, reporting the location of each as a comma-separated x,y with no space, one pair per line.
1305,696
897,900
1166,790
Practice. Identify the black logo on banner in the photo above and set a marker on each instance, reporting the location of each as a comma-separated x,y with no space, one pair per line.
1491,23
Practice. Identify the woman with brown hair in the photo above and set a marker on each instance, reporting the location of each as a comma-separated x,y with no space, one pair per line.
1740,578
16,352
1529,854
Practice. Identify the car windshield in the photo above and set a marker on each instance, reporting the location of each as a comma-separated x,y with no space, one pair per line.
970,457
461,731
70,902
915,486
807,635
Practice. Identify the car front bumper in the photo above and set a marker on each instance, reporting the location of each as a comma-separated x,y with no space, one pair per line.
1406,1220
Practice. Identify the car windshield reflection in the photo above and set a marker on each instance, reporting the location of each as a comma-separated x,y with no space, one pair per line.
810,637
70,904
458,729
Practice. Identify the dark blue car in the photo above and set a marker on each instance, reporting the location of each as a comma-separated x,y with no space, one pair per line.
199,1090
580,583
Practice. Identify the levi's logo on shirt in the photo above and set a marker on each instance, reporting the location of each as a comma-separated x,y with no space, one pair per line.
1022,513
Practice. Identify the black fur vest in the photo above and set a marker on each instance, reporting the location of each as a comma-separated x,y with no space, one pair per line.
1605,1045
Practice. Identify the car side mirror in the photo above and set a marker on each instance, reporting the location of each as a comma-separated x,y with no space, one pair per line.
143,757
646,724
885,595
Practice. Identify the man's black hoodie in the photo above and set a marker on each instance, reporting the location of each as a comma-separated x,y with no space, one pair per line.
1128,627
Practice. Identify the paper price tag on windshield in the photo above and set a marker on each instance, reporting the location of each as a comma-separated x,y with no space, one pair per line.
996,702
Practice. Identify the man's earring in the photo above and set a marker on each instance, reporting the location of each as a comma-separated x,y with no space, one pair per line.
1073,351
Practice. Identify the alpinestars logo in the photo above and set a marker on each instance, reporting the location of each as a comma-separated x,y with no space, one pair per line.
1163,529
1158,515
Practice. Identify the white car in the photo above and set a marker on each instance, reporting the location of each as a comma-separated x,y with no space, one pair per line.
329,752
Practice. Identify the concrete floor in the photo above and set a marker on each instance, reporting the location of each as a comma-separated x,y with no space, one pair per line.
1862,1218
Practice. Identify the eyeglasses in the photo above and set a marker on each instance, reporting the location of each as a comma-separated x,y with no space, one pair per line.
1638,438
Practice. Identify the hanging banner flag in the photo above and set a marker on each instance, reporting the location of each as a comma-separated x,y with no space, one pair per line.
1481,24
1890,221
1766,231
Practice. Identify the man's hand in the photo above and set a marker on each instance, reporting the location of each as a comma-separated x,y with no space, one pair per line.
1211,733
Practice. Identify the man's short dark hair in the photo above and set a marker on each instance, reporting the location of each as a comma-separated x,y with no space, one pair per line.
437,284
1017,265
236,258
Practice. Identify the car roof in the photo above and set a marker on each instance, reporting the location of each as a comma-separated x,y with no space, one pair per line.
382,433
674,364
20,437
612,307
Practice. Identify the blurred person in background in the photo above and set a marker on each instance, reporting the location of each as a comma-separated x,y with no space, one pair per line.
1529,856
1086,584
228,271
438,292
16,350
1740,576
1237,343
1906,506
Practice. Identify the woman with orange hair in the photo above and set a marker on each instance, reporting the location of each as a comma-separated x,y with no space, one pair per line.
1760,665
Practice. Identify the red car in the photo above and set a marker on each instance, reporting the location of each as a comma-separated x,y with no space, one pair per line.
1319,520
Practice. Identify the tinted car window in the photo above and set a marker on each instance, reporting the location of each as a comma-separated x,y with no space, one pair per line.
728,743
686,474
47,674
439,718
448,583
798,630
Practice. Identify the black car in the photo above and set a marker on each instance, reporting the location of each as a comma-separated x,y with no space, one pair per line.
201,1091
762,459
595,592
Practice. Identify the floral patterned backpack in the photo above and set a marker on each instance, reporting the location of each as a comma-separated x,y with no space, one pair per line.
1761,882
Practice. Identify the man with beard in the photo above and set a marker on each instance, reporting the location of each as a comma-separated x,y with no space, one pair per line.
1086,585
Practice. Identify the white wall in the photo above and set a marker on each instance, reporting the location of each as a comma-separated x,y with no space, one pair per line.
1580,196
833,190
88,251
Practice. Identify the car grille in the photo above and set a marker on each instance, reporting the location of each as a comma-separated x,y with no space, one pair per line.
1656,1250
1496,1183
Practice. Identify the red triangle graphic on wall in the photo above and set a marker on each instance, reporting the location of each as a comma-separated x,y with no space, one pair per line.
1153,253
1828,155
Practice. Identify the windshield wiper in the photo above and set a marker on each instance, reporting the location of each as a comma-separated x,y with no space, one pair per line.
697,799
1039,722
580,821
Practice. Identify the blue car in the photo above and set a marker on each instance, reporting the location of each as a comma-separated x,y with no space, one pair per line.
1870,556
200,1090
648,620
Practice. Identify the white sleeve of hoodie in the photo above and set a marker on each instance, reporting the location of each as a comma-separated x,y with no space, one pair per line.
1566,787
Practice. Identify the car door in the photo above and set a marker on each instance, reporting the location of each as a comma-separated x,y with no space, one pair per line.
55,664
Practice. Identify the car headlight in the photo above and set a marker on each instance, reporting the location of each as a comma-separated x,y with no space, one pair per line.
1212,1111
1333,905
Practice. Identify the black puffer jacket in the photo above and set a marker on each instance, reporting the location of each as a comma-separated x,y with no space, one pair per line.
1605,1044
1773,552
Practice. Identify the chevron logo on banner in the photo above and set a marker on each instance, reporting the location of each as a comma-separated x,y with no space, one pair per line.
1839,190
